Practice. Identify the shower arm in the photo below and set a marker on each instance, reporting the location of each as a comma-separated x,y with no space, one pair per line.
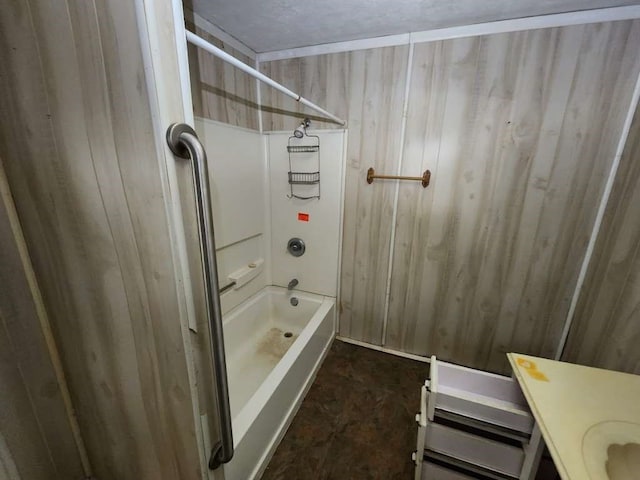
221,54
184,143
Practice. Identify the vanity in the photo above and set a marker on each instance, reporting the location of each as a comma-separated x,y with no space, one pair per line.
589,417
474,424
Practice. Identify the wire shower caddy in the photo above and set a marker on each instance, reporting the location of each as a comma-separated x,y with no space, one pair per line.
301,178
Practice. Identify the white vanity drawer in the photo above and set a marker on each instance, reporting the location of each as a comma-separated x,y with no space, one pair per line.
431,471
474,450
484,396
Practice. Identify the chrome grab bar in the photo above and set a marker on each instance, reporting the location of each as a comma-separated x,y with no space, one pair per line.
184,143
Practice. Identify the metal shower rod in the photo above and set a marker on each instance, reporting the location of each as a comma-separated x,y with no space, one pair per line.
199,42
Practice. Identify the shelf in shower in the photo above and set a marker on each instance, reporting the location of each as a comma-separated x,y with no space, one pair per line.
304,178
303,148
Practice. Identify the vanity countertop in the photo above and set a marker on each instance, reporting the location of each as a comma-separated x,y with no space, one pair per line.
589,417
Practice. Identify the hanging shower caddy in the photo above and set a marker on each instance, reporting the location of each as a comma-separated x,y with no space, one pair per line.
304,163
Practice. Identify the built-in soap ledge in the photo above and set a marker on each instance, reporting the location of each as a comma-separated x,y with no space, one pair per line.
244,275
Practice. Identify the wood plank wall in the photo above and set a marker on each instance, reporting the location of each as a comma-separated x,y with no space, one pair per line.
36,439
524,128
606,326
519,130
220,91
77,140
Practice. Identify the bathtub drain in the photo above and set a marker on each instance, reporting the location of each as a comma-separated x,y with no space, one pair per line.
288,334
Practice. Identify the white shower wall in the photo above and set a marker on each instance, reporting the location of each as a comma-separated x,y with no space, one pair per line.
237,171
254,218
317,269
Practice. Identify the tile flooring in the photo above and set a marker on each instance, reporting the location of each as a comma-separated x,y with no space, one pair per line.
356,422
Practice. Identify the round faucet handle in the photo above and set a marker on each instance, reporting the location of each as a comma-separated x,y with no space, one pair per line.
296,247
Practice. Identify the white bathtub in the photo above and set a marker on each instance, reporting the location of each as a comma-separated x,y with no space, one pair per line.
269,373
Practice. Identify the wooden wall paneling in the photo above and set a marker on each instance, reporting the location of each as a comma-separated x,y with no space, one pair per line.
442,76
323,79
280,112
528,132
367,88
485,79
589,128
36,438
606,328
24,452
77,135
376,88
100,186
164,380
219,90
25,133
8,467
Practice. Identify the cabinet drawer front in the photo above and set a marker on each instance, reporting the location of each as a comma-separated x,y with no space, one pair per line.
480,395
482,409
431,471
473,449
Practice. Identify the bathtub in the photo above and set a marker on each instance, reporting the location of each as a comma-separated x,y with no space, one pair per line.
274,350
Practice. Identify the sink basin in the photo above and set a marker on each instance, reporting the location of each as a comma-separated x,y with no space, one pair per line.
611,451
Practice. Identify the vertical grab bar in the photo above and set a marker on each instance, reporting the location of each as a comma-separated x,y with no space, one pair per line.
184,143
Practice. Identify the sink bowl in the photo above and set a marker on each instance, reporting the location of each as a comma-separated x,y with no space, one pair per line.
611,451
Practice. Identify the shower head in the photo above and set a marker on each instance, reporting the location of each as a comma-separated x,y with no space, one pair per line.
302,128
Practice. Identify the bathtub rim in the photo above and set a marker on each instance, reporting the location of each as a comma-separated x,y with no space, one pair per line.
245,417
269,451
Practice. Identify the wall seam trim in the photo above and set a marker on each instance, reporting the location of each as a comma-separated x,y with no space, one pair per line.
394,217
606,194
343,188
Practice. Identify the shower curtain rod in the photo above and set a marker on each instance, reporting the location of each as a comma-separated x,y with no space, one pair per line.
200,42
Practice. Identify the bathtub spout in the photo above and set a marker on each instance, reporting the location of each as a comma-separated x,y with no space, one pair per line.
292,284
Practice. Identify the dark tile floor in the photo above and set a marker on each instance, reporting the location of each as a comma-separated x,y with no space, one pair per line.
356,422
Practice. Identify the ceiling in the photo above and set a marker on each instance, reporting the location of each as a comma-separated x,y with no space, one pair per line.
269,25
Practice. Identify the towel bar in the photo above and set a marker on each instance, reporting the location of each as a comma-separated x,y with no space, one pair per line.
425,178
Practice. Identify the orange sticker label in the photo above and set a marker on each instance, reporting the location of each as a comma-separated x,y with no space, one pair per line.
532,369
303,217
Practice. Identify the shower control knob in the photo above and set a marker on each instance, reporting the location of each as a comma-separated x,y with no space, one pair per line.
296,247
